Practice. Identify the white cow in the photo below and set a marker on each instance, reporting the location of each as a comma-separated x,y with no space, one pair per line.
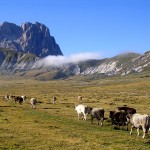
79,98
33,102
6,97
138,120
82,109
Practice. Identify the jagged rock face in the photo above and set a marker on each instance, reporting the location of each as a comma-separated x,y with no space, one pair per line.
10,31
29,38
12,61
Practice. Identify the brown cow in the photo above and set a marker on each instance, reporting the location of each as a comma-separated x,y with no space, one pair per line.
118,118
18,99
128,110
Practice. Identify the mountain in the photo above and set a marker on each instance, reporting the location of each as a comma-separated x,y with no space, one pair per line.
22,49
28,38
28,65
121,65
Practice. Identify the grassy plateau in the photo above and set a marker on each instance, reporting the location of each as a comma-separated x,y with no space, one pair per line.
56,126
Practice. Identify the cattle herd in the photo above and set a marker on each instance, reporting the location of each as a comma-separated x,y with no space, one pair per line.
21,99
121,117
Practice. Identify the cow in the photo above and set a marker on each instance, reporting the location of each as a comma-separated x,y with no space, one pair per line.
128,110
11,97
137,121
83,109
54,98
33,102
97,113
24,97
18,99
111,113
118,118
79,98
6,97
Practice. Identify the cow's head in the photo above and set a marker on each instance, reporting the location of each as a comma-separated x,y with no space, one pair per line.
111,113
88,110
128,117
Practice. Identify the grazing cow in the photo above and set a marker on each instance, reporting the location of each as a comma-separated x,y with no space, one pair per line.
83,109
118,118
24,97
128,110
97,113
33,102
6,97
137,121
79,98
11,97
54,98
18,99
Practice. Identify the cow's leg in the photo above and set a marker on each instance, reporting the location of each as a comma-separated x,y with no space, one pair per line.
102,121
34,106
84,116
91,120
98,121
78,116
118,125
112,122
143,135
144,131
131,129
138,133
127,127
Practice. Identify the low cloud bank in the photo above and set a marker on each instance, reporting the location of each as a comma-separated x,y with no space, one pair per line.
60,60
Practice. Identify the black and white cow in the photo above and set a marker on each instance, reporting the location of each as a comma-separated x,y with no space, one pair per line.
97,113
33,102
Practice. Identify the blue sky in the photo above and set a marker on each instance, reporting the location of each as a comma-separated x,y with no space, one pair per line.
107,27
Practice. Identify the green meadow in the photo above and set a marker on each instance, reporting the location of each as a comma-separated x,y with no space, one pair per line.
56,126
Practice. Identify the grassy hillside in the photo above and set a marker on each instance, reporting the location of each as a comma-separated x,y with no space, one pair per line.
56,127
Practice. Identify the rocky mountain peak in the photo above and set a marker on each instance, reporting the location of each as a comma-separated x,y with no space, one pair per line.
10,31
28,38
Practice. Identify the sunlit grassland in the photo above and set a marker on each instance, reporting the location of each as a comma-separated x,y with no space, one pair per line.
56,127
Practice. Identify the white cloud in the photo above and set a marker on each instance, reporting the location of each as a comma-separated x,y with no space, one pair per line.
75,58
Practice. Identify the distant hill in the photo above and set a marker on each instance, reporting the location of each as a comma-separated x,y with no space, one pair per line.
27,65
28,38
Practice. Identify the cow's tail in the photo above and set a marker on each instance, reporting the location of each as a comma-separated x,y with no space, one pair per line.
147,123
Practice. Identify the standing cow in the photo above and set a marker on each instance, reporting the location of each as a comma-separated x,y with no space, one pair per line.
79,98
83,109
137,121
97,113
118,118
54,98
18,99
33,102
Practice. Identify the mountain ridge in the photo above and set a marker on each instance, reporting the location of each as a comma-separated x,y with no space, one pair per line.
27,65
23,49
28,38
